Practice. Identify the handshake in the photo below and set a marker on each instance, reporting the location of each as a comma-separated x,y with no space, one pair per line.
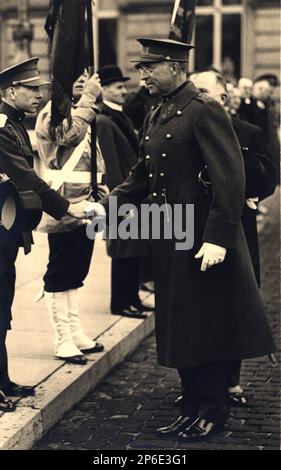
86,210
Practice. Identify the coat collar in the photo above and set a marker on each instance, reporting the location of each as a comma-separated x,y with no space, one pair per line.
116,107
12,113
179,102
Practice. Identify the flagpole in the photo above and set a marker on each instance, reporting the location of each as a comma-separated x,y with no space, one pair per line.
175,11
91,69
90,34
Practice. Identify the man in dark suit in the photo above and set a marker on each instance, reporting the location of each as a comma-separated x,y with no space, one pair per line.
260,183
208,314
119,146
20,92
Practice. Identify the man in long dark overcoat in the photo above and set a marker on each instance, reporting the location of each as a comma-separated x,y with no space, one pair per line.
205,318
119,146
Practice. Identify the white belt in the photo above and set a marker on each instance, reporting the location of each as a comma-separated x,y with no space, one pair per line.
82,177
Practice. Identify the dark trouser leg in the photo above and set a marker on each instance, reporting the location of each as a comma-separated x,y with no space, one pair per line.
146,266
205,391
8,255
4,376
234,373
124,282
69,260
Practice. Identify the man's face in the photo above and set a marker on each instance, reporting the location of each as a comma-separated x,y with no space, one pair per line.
158,77
246,88
115,92
207,83
79,85
27,98
235,100
262,90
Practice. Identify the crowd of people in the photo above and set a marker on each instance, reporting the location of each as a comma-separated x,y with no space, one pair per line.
200,141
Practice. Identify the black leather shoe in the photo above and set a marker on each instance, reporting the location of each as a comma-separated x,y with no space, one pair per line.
6,404
96,349
178,402
237,399
200,430
131,312
79,360
181,423
15,390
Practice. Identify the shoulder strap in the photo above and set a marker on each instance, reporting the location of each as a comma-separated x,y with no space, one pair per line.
70,164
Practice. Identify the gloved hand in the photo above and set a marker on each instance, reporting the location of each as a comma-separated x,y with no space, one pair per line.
102,191
211,254
91,93
78,209
3,177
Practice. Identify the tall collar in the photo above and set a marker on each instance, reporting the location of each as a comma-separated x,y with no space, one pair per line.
12,113
115,106
174,93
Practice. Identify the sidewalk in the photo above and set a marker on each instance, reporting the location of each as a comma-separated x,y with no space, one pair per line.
31,344
126,408
60,386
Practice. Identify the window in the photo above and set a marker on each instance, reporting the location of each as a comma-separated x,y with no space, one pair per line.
105,32
218,36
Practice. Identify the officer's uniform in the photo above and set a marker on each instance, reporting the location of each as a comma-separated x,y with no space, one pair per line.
203,319
16,162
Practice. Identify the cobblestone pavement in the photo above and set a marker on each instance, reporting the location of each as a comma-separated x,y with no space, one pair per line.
126,408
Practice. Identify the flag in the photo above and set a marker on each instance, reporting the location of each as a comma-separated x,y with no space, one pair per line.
66,27
183,20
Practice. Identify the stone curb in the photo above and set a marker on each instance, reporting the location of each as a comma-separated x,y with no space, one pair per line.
69,384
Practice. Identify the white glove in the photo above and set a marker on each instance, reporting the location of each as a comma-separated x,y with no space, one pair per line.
212,255
77,209
4,177
91,92
95,209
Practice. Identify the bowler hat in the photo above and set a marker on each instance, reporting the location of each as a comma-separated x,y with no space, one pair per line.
25,73
160,50
110,74
269,77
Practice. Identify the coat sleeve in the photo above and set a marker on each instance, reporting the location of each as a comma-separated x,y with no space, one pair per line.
220,150
135,188
106,132
259,169
17,169
65,136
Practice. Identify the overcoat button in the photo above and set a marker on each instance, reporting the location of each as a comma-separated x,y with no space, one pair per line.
169,136
154,194
147,157
162,175
164,155
179,113
147,137
150,175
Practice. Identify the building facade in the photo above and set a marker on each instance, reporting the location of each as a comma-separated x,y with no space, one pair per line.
239,36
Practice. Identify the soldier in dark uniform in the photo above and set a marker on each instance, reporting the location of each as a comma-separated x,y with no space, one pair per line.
205,318
20,92
260,183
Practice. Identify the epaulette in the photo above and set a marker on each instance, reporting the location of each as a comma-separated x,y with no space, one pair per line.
3,120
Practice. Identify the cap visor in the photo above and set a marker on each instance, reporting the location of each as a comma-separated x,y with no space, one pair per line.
38,82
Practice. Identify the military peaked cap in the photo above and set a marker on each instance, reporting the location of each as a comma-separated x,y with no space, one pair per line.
160,50
25,73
